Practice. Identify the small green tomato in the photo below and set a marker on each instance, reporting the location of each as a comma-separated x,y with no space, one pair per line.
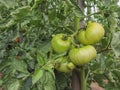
63,65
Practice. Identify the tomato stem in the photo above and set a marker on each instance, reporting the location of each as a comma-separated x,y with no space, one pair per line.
77,27
77,23
82,78
51,53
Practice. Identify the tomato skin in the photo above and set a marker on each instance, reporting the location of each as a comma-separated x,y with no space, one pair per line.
59,45
82,56
93,34
63,65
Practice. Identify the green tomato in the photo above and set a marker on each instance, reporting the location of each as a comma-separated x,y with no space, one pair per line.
93,34
70,65
63,65
82,56
63,68
60,43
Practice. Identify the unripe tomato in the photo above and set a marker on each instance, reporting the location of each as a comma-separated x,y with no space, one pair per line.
60,43
81,56
70,65
63,65
93,34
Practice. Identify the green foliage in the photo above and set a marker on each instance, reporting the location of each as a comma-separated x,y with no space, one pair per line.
26,64
115,44
62,82
13,84
37,75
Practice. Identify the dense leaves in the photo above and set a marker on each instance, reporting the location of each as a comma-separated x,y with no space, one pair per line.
115,44
26,28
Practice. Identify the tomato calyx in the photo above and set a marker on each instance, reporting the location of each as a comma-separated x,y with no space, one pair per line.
64,37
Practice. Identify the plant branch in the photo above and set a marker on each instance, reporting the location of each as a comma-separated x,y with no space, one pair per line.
91,14
77,23
82,78
87,74
81,5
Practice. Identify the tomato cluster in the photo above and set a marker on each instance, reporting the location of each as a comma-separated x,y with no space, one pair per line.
77,56
93,34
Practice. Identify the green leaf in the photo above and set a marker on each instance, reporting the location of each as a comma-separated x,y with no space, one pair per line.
70,2
14,84
7,24
21,12
9,3
61,81
36,3
40,84
110,77
20,65
76,9
50,82
49,68
45,46
115,44
29,1
40,58
4,65
52,15
78,13
27,84
1,81
117,73
47,81
37,75
113,21
98,65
